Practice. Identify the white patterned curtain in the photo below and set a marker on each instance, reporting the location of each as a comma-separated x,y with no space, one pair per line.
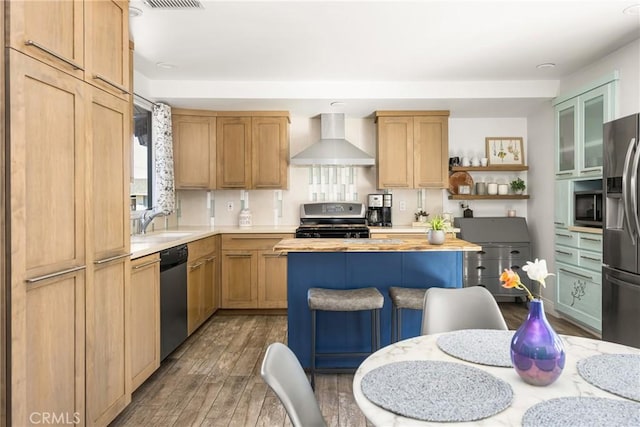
164,199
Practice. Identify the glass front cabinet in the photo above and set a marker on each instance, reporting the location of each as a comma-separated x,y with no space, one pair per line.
579,123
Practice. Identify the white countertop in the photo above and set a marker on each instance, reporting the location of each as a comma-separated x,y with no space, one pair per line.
156,241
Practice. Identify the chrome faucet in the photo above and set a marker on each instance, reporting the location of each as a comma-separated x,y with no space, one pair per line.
147,218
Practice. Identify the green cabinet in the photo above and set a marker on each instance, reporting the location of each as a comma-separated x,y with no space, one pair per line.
563,203
578,132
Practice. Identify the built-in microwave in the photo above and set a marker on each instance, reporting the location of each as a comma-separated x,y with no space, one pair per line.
587,207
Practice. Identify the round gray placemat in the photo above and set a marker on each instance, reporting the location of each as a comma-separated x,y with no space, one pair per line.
583,412
432,390
484,346
616,373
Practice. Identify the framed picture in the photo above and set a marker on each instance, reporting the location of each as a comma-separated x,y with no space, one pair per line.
503,151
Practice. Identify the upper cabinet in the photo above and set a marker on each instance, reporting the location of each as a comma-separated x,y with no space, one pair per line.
253,150
88,39
194,149
223,150
579,123
412,149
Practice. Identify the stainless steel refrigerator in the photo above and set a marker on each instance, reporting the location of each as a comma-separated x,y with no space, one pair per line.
621,232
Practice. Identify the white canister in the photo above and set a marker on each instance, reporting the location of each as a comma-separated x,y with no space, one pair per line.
245,218
503,189
492,188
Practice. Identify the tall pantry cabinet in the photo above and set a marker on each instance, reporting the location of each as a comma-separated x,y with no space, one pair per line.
69,125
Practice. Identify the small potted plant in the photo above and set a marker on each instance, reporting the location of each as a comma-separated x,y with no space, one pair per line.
436,233
518,186
421,216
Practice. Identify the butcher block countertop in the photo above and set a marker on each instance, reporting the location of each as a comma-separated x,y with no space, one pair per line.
372,245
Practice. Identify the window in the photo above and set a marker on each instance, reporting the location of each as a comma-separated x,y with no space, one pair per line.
141,159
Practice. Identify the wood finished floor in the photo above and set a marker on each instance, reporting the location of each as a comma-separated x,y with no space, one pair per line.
213,379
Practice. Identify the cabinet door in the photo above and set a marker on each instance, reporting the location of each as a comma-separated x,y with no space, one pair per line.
234,152
107,45
239,281
567,132
395,152
51,31
563,203
579,294
109,136
108,363
144,315
195,295
593,105
272,280
431,151
46,167
51,367
269,151
211,284
194,151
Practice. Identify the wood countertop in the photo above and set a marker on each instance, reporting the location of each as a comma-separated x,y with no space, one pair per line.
373,245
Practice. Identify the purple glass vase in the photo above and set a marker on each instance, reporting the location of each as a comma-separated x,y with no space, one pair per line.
537,352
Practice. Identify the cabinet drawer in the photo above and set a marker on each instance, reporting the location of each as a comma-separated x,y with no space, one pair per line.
579,294
500,252
265,241
201,247
495,267
590,260
566,237
493,285
590,241
566,254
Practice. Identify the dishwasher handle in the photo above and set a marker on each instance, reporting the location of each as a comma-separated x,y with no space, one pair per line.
173,256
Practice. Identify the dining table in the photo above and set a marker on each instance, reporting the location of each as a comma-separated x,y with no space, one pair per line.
466,376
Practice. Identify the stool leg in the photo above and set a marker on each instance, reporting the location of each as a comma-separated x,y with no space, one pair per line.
313,349
394,319
399,325
378,343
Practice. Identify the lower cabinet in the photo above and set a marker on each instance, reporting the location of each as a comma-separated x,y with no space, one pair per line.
253,276
107,361
144,312
203,283
579,279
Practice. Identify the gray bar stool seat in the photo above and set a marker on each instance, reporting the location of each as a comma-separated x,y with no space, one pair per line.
363,299
408,298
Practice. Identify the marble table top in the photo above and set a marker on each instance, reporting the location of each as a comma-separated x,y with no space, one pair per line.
424,347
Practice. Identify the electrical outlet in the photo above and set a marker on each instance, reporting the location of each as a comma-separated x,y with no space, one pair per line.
229,206
403,206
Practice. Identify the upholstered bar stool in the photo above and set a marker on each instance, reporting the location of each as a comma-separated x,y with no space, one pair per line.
324,299
408,298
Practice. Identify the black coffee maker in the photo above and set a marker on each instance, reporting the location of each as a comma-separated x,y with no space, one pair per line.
379,210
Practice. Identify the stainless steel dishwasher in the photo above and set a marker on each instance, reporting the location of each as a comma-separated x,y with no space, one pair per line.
173,299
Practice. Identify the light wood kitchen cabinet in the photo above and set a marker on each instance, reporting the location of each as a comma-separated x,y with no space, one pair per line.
47,248
253,276
202,281
253,150
194,149
88,39
144,315
108,376
413,149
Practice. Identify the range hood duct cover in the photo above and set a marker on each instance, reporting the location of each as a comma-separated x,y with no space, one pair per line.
332,148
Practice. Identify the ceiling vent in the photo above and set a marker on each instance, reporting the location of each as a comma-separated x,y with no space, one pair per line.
174,4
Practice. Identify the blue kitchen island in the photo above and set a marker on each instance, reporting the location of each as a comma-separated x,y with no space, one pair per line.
361,263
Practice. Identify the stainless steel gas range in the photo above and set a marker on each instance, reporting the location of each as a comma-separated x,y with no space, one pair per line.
332,220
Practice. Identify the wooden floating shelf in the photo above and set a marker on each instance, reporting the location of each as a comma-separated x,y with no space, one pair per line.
487,197
490,168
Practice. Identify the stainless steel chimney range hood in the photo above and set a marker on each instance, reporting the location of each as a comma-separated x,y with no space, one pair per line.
332,148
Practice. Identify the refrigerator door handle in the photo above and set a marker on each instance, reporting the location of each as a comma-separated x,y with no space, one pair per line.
634,190
625,190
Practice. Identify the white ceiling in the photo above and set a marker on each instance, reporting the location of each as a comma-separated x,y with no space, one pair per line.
301,55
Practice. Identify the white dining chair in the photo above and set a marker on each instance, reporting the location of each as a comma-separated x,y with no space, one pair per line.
283,373
452,309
